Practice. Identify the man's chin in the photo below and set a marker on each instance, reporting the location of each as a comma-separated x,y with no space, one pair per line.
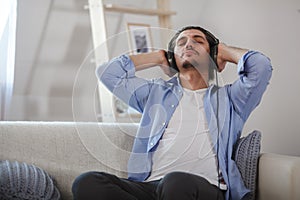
186,64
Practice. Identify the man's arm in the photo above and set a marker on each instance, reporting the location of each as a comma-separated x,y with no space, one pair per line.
152,59
229,54
118,75
255,71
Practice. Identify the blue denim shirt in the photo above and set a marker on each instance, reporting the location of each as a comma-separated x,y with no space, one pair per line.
157,100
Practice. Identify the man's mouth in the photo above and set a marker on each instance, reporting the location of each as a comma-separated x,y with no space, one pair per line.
189,53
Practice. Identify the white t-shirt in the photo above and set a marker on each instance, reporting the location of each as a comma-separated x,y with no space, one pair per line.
186,145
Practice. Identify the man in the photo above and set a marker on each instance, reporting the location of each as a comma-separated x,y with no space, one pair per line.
184,145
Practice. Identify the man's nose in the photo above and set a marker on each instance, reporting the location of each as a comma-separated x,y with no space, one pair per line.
189,44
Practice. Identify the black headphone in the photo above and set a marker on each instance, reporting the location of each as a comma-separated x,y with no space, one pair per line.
212,40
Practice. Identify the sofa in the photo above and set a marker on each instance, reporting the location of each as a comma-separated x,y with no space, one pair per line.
66,149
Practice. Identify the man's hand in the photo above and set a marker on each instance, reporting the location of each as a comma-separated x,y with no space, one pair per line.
228,54
165,65
220,59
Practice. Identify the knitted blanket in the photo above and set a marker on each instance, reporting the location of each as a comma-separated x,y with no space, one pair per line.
24,181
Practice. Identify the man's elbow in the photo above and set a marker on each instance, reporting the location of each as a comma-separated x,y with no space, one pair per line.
100,72
263,66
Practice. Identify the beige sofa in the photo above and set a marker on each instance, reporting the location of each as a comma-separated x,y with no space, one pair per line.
67,149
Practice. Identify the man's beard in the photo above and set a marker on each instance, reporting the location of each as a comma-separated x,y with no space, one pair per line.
187,64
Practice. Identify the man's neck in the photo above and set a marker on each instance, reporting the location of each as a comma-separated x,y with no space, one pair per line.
192,81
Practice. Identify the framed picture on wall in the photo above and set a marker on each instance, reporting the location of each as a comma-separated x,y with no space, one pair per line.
140,40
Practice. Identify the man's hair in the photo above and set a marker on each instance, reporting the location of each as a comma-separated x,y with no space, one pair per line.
212,41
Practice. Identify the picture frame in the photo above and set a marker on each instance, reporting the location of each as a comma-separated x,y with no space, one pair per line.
140,39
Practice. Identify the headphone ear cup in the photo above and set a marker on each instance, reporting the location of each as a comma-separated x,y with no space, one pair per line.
214,54
213,42
171,59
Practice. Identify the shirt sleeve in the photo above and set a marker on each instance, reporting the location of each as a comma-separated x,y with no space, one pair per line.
254,71
118,75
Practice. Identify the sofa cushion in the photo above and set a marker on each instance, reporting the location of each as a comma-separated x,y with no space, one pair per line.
24,181
247,151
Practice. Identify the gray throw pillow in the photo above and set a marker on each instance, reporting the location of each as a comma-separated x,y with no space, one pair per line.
24,181
247,151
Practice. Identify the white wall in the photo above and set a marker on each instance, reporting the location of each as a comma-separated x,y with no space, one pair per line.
272,27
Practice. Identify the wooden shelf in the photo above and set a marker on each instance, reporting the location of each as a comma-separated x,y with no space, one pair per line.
139,11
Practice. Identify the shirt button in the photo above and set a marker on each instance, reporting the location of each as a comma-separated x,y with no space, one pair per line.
172,105
151,143
164,123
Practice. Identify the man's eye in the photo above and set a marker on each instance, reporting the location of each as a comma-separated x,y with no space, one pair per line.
200,41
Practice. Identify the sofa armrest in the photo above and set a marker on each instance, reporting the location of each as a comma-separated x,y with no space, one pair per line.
278,177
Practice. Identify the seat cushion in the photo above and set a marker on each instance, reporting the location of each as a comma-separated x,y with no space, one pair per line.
24,181
247,151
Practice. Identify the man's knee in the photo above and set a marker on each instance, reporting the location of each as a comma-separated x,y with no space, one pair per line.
180,185
174,181
86,183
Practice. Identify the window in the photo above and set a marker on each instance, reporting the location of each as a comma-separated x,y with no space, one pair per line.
7,53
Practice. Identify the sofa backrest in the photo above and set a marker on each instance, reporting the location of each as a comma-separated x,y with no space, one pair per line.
67,149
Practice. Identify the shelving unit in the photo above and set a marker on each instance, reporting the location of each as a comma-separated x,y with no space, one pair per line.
138,11
97,10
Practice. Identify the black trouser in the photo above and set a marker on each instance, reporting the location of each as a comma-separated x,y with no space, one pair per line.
175,185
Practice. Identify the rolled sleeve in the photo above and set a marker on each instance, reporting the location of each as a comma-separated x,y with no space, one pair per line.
118,75
118,67
254,71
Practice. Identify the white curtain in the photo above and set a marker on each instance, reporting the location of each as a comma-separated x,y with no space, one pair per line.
8,18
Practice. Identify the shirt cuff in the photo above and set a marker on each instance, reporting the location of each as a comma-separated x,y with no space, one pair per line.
127,64
241,63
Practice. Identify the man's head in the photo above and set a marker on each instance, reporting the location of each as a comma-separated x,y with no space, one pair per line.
190,47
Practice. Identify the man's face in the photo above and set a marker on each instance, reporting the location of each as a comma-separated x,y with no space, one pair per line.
191,50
